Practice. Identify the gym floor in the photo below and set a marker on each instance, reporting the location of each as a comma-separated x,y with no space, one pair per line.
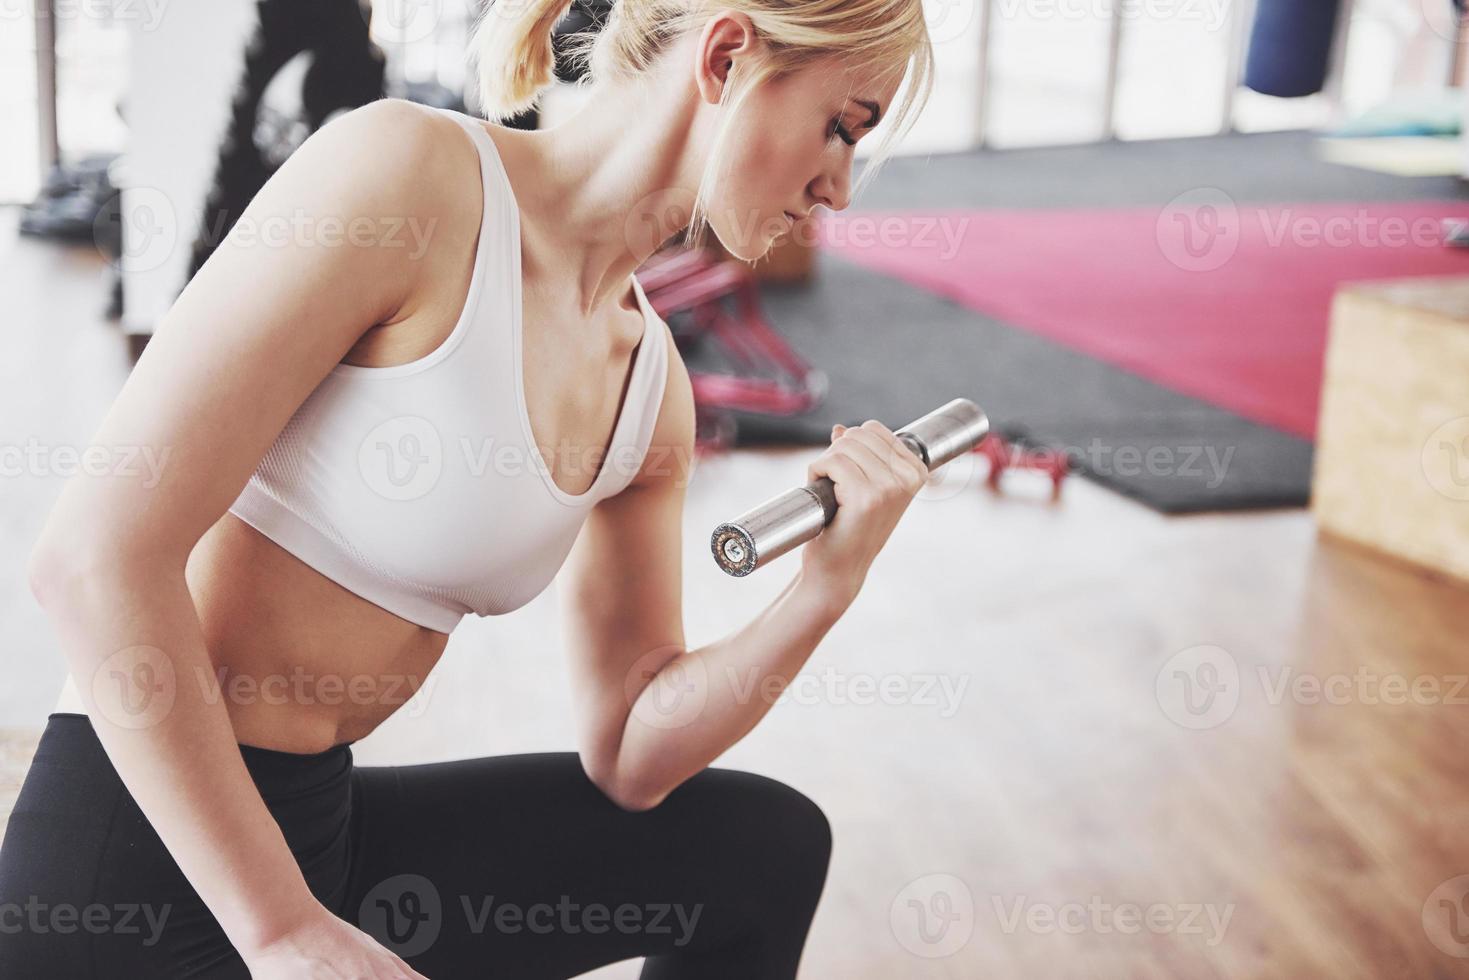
987,727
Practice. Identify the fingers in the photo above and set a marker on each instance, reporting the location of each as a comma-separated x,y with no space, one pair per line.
870,453
882,455
844,472
904,458
861,453
911,471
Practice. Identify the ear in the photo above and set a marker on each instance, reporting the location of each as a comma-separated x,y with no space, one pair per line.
728,37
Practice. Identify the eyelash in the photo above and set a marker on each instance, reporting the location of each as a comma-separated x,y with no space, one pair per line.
839,130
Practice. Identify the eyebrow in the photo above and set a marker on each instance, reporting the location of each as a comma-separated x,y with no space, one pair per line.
871,107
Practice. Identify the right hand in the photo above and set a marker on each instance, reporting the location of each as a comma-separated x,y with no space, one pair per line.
327,948
875,478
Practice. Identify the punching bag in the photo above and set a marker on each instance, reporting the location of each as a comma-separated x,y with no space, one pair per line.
343,69
1290,46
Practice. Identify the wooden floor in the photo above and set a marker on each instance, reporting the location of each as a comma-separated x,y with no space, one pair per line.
1098,754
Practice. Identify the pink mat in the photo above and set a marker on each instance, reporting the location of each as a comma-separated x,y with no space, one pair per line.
1227,303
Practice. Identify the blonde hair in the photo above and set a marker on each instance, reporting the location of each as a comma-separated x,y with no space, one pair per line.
511,50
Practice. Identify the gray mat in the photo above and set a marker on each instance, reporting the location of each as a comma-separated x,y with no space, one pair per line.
894,352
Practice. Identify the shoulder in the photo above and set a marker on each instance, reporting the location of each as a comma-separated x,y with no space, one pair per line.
397,127
409,152
413,176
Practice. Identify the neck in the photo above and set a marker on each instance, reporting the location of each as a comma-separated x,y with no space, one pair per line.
615,181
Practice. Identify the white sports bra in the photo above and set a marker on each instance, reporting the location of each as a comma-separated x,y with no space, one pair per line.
419,486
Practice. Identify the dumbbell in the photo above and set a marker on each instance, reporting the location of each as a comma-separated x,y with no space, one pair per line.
790,519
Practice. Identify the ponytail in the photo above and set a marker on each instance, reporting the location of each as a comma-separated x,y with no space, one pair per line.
512,54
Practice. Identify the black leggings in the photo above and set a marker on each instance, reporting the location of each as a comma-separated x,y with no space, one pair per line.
509,866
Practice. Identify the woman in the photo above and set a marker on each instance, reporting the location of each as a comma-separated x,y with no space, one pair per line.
315,532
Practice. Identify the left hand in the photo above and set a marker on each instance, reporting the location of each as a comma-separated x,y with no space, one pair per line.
876,476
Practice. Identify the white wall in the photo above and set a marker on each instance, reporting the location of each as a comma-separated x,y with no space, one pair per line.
183,73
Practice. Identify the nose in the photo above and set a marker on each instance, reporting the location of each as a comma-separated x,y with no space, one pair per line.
833,188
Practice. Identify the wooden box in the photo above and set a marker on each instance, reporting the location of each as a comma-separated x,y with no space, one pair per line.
1392,450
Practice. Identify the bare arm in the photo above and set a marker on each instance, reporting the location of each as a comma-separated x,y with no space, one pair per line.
654,713
255,331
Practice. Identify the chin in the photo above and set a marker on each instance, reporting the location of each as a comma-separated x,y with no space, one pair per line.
749,248
743,250
743,240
